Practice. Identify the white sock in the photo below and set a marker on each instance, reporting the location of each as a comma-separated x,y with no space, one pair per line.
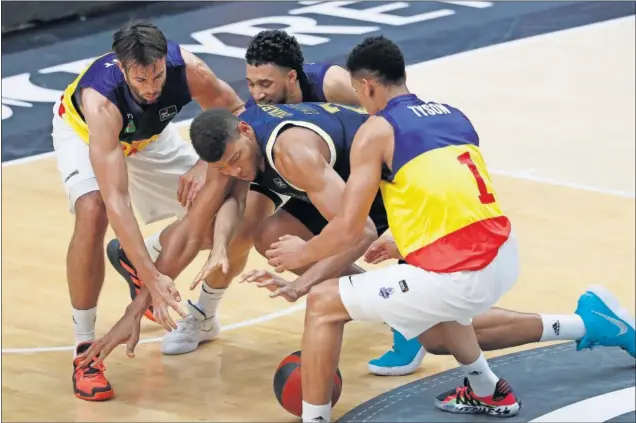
84,326
153,245
564,327
311,413
481,377
209,299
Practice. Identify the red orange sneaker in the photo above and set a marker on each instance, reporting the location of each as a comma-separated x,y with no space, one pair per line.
124,267
502,403
89,383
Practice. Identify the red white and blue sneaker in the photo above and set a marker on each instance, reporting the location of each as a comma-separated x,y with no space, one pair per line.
118,259
607,323
502,403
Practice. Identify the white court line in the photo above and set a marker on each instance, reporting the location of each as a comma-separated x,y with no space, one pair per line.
244,323
526,175
596,409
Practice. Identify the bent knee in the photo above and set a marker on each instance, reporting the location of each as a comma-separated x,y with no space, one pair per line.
90,213
324,303
263,236
433,341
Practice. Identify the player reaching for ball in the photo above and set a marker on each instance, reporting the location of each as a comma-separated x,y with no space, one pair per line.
459,246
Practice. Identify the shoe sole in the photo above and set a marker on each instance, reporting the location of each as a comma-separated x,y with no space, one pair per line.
99,396
399,370
112,252
498,411
612,303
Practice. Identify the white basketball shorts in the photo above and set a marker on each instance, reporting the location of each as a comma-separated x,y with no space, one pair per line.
413,300
153,172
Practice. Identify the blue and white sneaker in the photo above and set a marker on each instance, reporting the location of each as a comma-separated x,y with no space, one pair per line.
606,323
403,359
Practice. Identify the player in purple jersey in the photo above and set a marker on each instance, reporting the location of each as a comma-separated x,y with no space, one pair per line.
276,72
114,144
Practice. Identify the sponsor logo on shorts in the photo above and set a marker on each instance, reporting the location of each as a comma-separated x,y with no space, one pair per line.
386,292
403,286
73,173
279,183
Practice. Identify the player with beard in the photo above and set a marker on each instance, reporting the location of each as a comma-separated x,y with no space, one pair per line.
276,73
111,126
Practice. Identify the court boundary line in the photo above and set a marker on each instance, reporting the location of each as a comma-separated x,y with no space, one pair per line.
244,323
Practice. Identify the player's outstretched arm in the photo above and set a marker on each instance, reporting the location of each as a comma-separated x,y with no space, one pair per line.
109,164
226,226
306,165
367,157
208,90
184,240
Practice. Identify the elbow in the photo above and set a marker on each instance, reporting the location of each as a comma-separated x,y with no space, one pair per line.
357,234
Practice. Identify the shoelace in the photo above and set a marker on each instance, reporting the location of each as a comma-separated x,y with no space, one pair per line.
91,370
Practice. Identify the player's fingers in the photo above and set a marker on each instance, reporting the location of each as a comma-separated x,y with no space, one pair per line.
187,185
286,237
108,348
88,355
174,292
272,252
180,187
252,276
176,307
132,342
159,317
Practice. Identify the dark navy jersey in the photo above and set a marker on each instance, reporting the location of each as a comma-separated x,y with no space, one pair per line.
336,124
314,92
142,124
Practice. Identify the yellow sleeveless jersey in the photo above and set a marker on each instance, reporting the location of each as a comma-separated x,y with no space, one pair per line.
441,205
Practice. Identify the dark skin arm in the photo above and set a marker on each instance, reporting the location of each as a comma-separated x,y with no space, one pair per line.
337,87
372,146
186,237
302,158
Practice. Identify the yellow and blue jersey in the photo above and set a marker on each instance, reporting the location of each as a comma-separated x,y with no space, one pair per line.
443,210
142,124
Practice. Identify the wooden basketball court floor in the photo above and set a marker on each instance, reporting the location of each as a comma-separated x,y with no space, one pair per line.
556,118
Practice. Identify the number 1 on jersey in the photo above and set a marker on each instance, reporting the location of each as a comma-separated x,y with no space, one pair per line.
484,196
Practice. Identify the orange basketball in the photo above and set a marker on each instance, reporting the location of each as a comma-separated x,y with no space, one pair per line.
288,388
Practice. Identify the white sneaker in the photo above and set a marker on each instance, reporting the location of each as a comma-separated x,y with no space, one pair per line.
191,331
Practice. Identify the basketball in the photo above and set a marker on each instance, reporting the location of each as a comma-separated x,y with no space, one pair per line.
288,389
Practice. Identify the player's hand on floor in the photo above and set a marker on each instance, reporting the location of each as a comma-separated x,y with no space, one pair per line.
164,295
284,254
278,286
216,260
125,331
190,183
382,249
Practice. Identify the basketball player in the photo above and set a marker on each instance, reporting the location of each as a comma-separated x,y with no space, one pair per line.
239,147
112,124
276,73
460,247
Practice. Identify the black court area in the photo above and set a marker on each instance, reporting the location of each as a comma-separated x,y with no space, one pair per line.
555,384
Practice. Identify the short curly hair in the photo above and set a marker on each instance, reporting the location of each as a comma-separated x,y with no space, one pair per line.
276,47
380,57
